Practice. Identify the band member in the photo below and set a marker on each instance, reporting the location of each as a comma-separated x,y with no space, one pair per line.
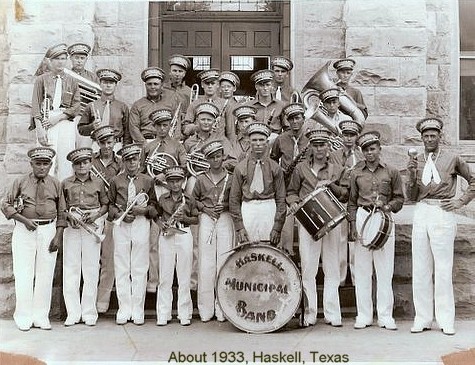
170,146
34,202
315,172
54,105
141,128
244,115
348,157
432,184
374,185
228,84
131,214
268,108
78,54
211,193
177,211
331,103
257,197
344,70
210,84
107,110
288,150
282,66
106,165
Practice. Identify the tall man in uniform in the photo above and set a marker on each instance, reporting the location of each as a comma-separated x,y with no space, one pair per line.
316,171
257,196
78,54
244,115
141,128
228,84
34,202
282,66
433,180
60,91
374,185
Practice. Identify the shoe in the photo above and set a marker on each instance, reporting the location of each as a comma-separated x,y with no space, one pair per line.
102,309
121,321
206,320
360,325
391,325
307,324
418,328
333,324
139,321
221,319
185,322
90,322
162,322
70,322
449,331
42,325
24,328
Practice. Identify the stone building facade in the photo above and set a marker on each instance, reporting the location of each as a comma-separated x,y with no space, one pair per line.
407,68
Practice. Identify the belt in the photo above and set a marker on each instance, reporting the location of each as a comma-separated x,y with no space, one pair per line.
42,222
149,136
432,201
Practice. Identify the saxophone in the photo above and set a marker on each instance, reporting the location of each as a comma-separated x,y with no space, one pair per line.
172,224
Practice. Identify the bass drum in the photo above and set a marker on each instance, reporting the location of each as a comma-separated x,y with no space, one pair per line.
258,288
376,230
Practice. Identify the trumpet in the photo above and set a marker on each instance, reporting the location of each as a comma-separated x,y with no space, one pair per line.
171,223
141,199
76,214
100,175
174,121
196,163
195,91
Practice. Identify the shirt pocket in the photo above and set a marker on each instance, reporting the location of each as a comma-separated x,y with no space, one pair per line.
67,99
385,187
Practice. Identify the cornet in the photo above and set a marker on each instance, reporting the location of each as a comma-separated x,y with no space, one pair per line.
171,223
44,123
140,199
78,215
195,91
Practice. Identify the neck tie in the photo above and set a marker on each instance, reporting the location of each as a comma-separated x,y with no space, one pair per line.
296,146
430,171
40,198
257,184
58,90
107,113
350,159
131,190
278,93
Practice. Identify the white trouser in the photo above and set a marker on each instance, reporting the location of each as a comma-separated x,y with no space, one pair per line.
258,218
81,254
310,251
212,255
33,268
383,260
62,138
346,253
287,236
131,249
433,235
175,251
106,276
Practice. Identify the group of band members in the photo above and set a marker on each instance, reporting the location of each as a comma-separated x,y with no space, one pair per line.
117,223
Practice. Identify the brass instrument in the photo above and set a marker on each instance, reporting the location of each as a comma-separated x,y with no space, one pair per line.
171,224
44,123
220,201
97,118
156,162
100,175
295,97
196,163
195,91
174,122
141,199
89,90
215,125
19,203
77,215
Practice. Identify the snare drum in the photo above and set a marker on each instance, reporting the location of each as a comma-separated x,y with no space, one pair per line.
320,212
376,229
258,288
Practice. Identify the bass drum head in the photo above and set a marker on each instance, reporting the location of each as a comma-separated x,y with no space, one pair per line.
376,230
258,288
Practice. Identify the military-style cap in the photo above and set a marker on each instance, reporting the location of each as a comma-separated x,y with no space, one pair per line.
108,74
79,154
130,150
209,75
231,77
81,48
329,94
282,61
318,135
41,153
350,126
150,72
212,147
260,128
161,115
179,60
174,172
346,63
262,75
294,108
209,108
245,111
102,133
57,50
368,138
429,123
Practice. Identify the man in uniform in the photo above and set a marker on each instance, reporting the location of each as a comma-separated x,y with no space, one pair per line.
78,54
55,103
282,66
315,172
228,84
141,128
331,103
433,181
257,197
107,110
374,185
34,202
244,115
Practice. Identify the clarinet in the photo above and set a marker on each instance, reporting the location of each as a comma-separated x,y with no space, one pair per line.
220,201
297,159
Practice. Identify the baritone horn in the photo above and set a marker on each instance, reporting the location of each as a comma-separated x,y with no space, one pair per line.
196,163
141,199
79,216
158,161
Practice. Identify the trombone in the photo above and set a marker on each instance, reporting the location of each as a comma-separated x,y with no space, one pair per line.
100,175
77,215
140,199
